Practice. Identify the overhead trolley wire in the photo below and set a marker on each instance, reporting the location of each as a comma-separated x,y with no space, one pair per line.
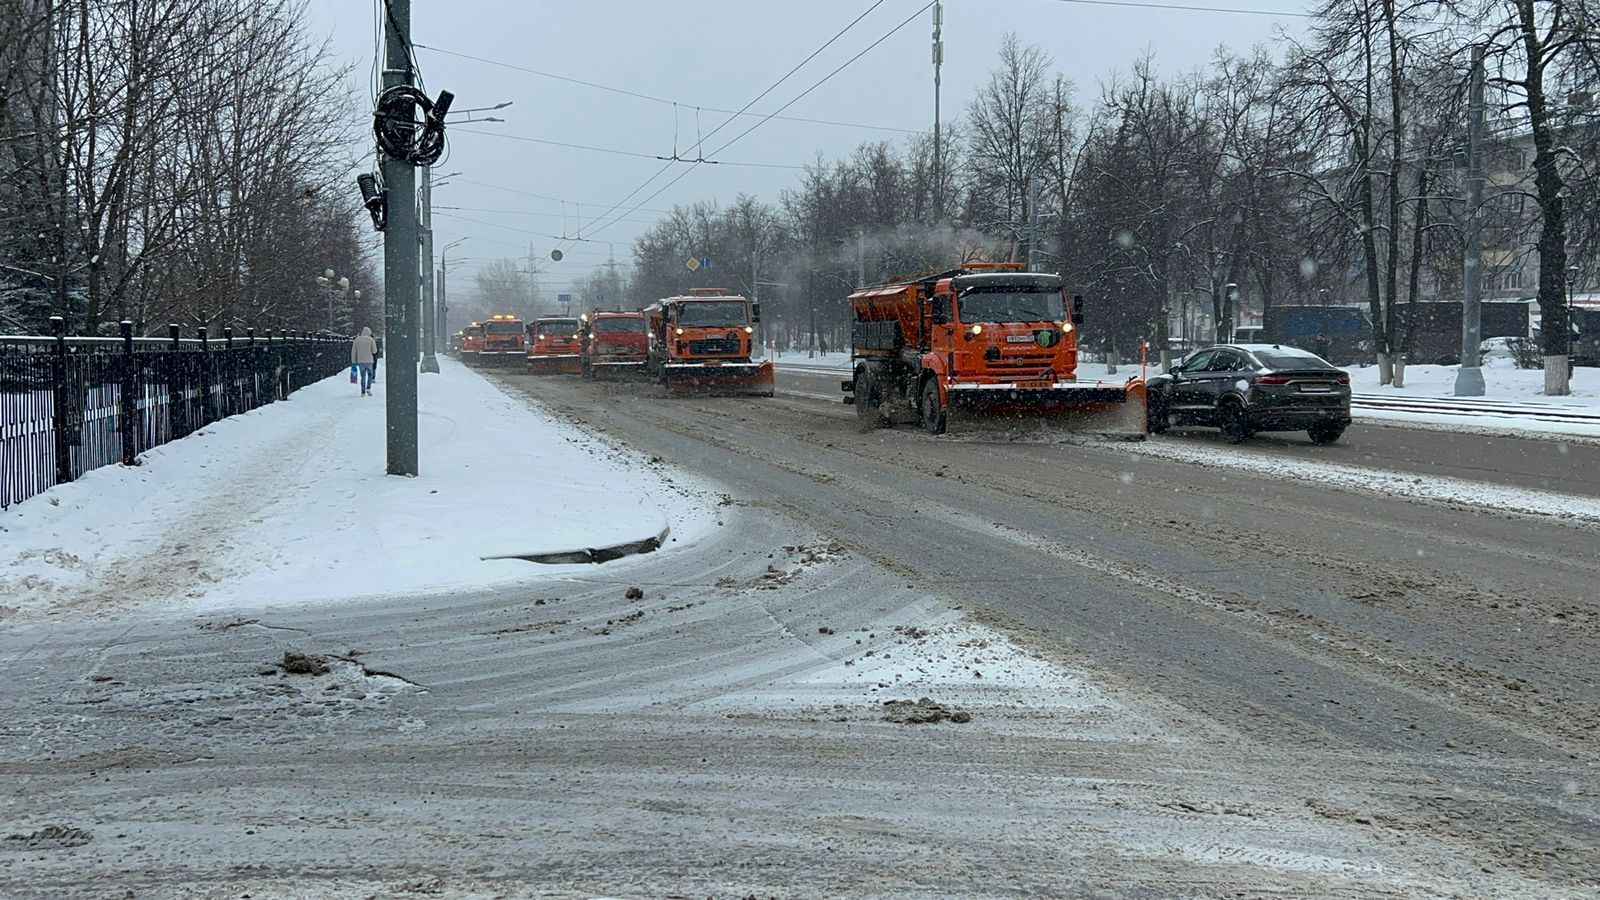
601,225
659,172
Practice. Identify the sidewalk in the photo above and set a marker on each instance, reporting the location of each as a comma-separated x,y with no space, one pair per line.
289,504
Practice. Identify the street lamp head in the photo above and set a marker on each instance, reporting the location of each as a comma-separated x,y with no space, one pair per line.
344,284
356,293
328,274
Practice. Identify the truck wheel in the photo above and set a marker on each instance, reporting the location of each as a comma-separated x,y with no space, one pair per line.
868,402
933,416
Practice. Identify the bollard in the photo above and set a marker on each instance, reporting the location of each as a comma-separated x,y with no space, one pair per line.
172,332
129,406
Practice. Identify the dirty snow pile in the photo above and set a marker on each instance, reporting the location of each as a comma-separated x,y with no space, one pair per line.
290,503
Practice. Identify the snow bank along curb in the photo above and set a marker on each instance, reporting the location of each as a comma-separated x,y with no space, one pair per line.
289,503
1433,488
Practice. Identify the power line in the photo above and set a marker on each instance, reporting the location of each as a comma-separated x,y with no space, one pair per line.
600,226
523,193
532,140
529,212
701,141
641,96
1133,4
552,237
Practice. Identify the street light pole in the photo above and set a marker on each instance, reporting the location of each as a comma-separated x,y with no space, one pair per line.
444,266
430,363
938,61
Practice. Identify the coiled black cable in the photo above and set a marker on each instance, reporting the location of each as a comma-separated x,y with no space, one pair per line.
400,135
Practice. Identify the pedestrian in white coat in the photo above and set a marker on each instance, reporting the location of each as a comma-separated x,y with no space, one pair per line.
364,356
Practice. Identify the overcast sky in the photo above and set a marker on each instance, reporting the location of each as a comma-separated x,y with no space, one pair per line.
719,53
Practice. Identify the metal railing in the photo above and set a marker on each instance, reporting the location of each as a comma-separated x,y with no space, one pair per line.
69,405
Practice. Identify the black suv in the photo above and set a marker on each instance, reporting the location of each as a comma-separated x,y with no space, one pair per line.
1246,388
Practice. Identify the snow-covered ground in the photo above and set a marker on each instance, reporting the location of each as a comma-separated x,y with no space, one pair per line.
290,503
1501,378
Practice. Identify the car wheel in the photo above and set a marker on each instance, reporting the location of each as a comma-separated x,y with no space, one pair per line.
1235,423
933,416
1326,432
1156,415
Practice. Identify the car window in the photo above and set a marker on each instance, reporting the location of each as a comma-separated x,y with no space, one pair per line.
1223,361
1278,359
1198,360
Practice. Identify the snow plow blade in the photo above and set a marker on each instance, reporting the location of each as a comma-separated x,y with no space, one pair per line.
616,371
1105,408
727,379
555,365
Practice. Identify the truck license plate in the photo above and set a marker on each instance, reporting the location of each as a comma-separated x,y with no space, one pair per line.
1032,385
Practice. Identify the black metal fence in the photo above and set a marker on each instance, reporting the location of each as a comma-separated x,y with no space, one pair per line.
68,405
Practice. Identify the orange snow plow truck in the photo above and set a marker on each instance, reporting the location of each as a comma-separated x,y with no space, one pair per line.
472,342
502,340
704,343
553,346
985,343
615,344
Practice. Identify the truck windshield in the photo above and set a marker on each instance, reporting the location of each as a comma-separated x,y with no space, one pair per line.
558,328
628,325
1007,304
714,314
504,327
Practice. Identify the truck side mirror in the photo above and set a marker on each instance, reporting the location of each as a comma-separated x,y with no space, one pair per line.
939,318
1077,309
755,313
940,313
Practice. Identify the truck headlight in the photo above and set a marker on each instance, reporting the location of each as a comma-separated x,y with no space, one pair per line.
680,331
749,330
977,329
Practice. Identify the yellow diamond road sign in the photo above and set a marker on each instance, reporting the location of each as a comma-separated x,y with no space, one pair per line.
693,264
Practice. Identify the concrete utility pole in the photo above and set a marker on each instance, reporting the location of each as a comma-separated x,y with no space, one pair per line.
400,266
1469,377
938,61
430,362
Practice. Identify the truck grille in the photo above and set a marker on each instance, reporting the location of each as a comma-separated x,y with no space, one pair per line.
1030,362
715,347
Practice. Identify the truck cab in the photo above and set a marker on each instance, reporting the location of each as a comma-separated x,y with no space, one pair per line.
502,337
555,345
706,338
614,341
472,341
